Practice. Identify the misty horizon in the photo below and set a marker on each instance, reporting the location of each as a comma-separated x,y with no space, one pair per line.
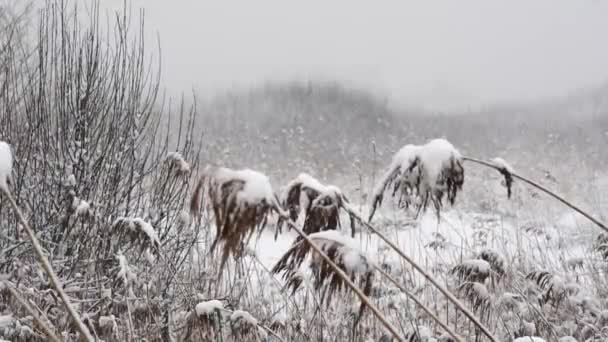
438,56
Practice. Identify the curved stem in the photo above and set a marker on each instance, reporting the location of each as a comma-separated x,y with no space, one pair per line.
86,335
543,189
421,304
430,278
346,279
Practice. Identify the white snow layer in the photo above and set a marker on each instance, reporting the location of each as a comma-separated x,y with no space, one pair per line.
245,316
257,185
501,163
6,164
434,156
208,307
528,339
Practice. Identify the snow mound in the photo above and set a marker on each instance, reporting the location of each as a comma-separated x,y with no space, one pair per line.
208,307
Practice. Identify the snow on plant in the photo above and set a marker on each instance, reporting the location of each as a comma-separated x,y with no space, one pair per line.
318,204
553,286
208,307
507,171
6,165
422,174
138,231
108,326
81,207
342,250
477,294
472,270
177,160
241,201
246,327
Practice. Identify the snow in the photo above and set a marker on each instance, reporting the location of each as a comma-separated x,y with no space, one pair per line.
184,218
353,259
308,181
123,268
528,339
71,180
208,307
83,208
502,164
148,230
6,320
245,316
479,265
401,161
257,185
179,160
6,164
107,322
434,156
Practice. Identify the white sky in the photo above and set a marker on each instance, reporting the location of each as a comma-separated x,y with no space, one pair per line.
440,54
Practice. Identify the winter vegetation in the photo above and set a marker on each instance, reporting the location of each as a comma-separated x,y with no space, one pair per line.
291,212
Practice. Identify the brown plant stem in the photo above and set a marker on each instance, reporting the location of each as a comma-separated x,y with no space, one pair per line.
543,189
86,335
350,284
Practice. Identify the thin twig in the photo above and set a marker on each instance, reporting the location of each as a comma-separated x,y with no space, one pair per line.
49,270
346,279
51,335
430,278
543,189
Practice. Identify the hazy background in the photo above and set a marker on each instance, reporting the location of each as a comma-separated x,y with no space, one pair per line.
334,88
440,55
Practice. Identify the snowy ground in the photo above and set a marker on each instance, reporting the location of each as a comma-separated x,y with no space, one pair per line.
459,236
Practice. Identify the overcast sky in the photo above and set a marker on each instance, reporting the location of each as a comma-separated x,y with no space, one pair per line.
439,54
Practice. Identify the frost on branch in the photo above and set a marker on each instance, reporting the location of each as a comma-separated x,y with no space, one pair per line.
317,203
6,165
241,201
342,250
422,174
